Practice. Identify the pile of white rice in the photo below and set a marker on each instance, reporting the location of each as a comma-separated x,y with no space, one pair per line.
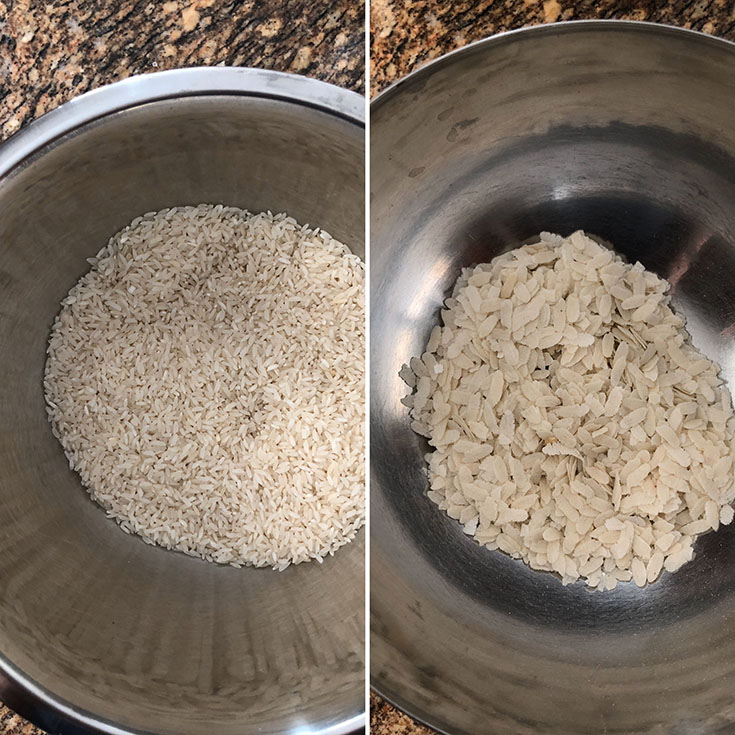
206,380
575,426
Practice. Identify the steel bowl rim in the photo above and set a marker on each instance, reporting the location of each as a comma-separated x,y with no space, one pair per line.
18,690
544,29
160,86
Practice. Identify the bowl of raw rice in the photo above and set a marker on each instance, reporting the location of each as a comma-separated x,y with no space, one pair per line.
182,338
552,428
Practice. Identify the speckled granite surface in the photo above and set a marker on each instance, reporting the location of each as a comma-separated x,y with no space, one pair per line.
407,33
12,724
386,720
51,51
54,50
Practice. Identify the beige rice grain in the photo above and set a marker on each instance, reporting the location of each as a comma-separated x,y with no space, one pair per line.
562,359
205,379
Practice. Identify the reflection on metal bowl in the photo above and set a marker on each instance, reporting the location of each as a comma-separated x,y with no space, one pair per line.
625,130
99,632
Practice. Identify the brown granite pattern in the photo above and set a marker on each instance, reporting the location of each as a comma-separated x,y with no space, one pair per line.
386,720
51,51
407,33
12,724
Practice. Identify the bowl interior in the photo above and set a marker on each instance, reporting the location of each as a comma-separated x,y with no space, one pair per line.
124,634
625,131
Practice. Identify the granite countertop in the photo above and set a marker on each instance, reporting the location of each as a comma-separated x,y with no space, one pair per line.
407,33
52,51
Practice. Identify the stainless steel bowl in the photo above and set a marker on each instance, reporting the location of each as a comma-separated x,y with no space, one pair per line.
628,131
99,632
